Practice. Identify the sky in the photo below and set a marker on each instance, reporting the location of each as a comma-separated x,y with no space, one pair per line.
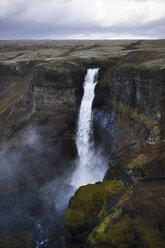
82,19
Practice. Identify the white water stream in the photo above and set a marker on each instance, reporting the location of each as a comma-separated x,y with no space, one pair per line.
90,167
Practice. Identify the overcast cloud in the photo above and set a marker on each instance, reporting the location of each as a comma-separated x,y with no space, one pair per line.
82,19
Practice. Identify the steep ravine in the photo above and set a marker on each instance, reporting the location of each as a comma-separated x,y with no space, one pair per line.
126,209
39,108
39,104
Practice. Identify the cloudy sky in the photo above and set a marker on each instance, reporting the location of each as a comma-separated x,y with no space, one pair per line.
82,19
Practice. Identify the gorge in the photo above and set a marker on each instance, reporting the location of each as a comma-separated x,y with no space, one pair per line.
122,203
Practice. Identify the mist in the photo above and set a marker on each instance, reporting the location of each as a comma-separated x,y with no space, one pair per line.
37,181
34,190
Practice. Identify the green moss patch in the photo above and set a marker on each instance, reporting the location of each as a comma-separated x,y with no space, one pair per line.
85,205
151,235
114,229
132,114
16,240
138,161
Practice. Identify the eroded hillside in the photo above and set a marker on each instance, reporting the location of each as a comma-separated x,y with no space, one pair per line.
40,94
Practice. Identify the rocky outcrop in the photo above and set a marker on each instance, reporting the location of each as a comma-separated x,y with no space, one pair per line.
46,96
39,105
133,95
41,89
81,217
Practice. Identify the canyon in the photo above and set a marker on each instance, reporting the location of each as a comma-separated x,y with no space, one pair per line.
41,89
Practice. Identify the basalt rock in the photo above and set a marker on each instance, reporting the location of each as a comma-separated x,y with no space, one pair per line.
132,92
40,94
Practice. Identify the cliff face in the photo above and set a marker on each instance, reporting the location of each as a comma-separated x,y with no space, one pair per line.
41,90
132,92
35,94
39,107
15,83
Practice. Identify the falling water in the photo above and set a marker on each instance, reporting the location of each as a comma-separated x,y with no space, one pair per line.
88,163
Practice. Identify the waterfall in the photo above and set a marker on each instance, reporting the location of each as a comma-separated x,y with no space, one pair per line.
84,134
88,164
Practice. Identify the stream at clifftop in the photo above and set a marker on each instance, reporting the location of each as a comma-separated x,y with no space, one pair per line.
42,211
